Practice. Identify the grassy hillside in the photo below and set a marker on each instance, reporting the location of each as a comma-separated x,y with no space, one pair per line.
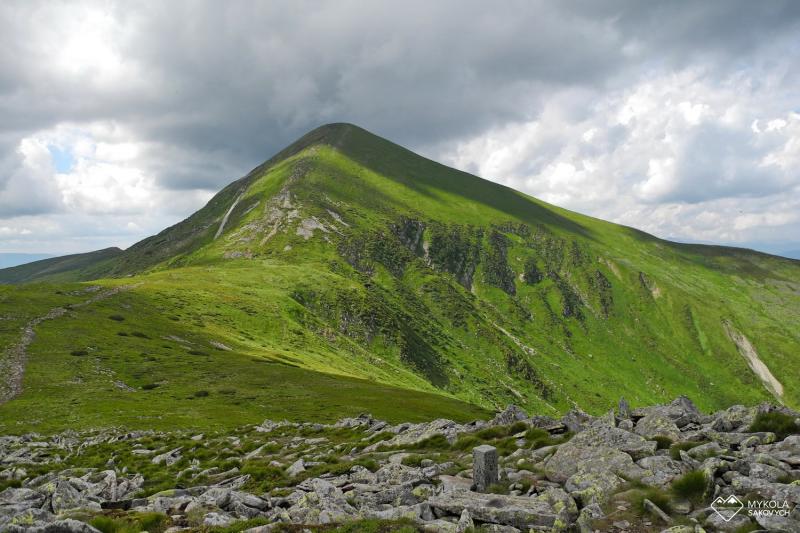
353,260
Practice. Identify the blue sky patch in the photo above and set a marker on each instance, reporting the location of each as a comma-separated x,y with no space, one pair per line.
63,159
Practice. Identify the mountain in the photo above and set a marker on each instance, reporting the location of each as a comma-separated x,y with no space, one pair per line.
57,268
347,265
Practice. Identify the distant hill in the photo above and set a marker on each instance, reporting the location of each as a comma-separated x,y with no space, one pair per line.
67,266
351,257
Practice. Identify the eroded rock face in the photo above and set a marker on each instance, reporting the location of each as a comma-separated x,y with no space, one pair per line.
566,486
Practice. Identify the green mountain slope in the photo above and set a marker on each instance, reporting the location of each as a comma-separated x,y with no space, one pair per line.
350,256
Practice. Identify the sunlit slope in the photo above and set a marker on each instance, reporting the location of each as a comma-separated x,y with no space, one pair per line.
349,255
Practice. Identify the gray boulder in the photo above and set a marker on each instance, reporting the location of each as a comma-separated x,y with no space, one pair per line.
517,511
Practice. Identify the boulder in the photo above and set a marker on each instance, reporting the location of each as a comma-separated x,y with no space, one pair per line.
599,434
518,511
661,470
509,415
657,425
572,458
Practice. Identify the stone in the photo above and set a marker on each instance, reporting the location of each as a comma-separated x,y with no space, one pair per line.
599,434
593,487
657,511
570,459
296,468
61,526
509,415
661,470
623,409
575,420
484,467
169,458
657,425
521,512
217,520
464,522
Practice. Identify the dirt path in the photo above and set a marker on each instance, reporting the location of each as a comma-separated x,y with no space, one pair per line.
755,363
12,365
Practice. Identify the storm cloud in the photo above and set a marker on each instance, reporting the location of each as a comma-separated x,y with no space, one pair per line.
680,118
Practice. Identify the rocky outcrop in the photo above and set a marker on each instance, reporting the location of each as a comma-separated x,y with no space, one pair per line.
423,472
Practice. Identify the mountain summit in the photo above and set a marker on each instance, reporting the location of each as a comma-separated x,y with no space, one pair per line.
348,255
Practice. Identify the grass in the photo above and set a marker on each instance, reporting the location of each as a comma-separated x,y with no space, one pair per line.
776,422
691,486
131,523
360,319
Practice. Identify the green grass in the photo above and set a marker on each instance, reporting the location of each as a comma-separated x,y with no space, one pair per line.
437,295
779,423
131,523
691,486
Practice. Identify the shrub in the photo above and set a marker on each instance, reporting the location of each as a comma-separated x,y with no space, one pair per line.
118,318
201,394
776,422
139,334
79,353
150,386
691,486
122,334
197,352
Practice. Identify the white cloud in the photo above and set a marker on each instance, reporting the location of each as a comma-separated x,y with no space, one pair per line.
681,155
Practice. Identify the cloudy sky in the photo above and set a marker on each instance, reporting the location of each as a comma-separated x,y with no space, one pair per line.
679,118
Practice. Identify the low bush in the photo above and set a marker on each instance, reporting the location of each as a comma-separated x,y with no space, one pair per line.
79,353
201,394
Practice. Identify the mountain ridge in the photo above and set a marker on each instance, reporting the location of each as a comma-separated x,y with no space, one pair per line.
349,255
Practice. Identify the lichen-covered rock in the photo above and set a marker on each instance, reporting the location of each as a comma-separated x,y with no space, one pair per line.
661,470
571,458
599,434
517,511
657,425
593,487
509,415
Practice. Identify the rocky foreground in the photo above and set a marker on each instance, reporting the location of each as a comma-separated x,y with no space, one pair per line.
657,468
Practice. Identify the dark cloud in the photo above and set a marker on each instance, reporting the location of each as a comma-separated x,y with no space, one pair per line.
211,89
